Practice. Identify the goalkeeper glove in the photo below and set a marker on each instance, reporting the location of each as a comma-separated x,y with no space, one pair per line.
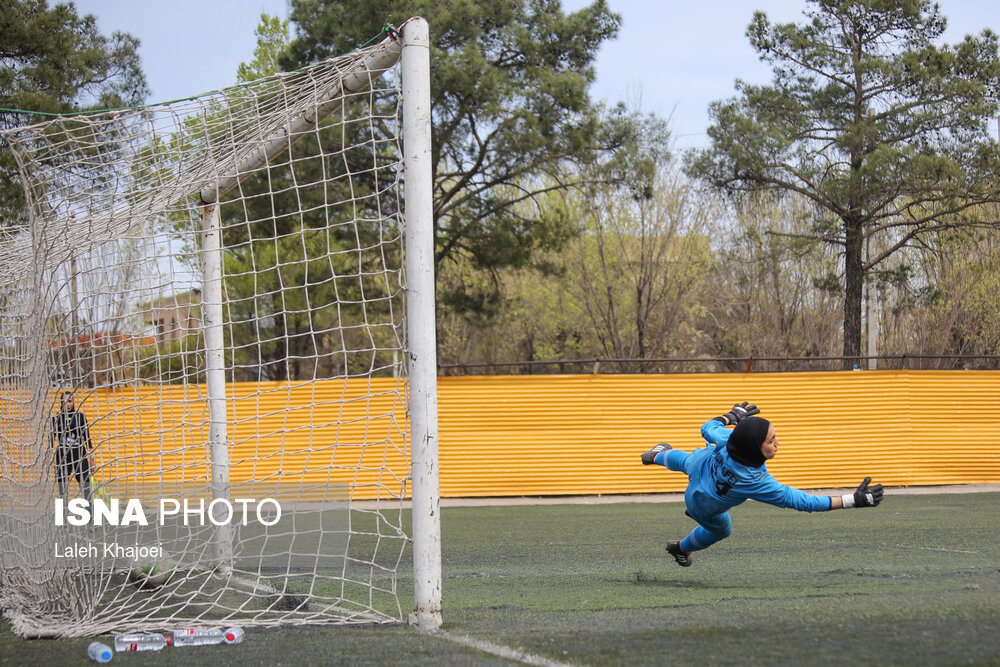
864,495
740,412
649,456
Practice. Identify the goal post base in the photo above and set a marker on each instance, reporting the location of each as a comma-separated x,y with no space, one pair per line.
426,620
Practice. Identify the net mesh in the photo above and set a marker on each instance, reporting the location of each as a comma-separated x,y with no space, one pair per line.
103,289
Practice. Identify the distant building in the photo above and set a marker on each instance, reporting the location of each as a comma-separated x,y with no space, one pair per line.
174,317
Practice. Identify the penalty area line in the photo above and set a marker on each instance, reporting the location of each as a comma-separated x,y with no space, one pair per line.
254,586
950,551
499,650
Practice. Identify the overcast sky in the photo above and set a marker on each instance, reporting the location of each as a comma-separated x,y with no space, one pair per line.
672,58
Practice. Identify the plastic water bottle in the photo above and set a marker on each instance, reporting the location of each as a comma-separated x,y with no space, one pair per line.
233,635
140,641
99,652
198,636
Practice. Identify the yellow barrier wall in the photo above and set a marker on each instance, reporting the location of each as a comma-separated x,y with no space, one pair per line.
305,441
583,434
569,434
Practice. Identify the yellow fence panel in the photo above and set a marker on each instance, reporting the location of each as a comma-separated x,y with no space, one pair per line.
583,434
305,441
545,434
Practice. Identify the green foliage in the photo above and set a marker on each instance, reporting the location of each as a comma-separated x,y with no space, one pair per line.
317,324
304,253
629,284
273,41
512,123
538,320
868,118
306,269
512,118
172,361
54,61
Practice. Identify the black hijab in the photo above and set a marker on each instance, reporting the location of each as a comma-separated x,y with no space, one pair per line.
746,439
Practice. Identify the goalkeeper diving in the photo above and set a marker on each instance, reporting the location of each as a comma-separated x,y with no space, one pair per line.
732,468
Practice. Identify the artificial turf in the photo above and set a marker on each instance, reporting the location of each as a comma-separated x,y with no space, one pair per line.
915,581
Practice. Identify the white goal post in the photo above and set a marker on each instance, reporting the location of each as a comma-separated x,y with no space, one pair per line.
218,360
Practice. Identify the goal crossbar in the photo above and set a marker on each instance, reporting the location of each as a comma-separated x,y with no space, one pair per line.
357,80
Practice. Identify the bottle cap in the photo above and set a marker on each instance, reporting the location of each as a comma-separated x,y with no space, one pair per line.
100,652
233,635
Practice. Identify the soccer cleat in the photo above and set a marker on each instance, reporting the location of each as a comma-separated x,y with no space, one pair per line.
674,549
647,457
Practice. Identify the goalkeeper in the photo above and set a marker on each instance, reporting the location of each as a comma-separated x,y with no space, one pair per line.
732,468
72,443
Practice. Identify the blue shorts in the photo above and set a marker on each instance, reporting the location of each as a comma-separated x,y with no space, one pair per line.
700,506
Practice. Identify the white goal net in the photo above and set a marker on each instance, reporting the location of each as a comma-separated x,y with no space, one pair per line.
203,377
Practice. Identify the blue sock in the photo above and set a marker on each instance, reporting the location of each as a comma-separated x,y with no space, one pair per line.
697,539
673,459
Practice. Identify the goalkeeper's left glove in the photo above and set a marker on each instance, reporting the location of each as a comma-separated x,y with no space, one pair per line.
740,412
864,495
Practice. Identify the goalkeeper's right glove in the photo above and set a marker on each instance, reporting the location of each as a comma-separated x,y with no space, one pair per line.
740,412
864,495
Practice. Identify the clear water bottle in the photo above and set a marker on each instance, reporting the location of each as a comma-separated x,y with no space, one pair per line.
140,641
99,652
198,636
233,635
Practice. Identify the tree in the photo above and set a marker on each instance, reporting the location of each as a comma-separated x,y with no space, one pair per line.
949,303
628,286
867,118
511,111
773,295
539,319
298,303
54,61
640,266
273,41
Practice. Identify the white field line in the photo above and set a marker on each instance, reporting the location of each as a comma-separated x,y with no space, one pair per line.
254,586
499,650
951,551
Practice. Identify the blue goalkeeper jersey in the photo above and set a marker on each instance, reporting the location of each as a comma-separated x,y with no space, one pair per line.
719,482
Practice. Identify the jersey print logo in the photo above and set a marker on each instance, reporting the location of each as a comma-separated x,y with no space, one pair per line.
723,476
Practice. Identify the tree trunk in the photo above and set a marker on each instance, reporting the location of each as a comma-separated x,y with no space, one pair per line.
640,321
854,278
